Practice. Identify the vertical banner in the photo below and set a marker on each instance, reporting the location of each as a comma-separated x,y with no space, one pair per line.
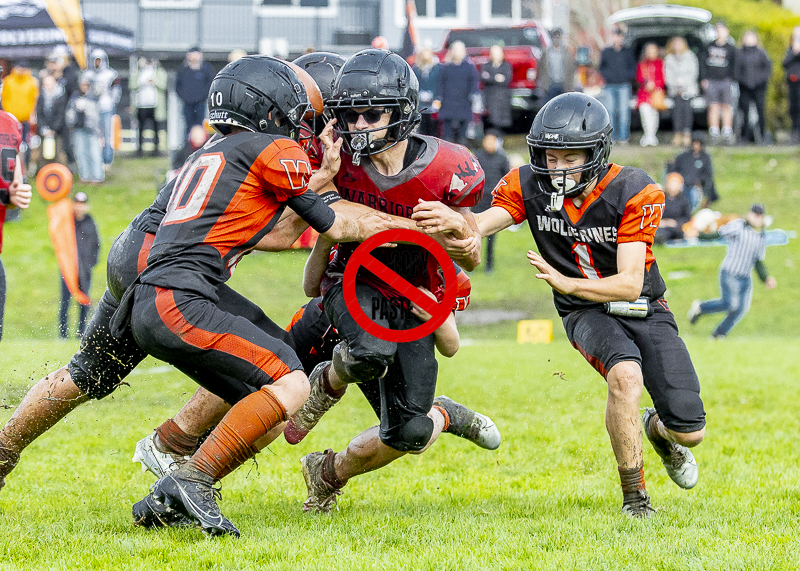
61,227
66,14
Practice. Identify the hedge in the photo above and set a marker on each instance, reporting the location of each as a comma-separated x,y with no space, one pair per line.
773,25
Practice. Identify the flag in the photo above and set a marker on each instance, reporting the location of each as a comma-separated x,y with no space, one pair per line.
410,38
66,14
62,234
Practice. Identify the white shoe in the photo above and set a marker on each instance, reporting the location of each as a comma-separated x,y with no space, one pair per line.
153,460
677,459
466,423
694,312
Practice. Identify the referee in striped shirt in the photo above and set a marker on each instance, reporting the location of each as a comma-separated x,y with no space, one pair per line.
746,250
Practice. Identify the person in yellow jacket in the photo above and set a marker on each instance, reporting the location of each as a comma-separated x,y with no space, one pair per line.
19,95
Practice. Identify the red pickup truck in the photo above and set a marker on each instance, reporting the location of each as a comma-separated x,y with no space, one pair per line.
523,46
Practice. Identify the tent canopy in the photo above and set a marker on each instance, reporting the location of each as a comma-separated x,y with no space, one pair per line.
32,28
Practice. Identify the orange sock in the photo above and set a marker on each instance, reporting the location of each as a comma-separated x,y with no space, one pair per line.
232,442
445,415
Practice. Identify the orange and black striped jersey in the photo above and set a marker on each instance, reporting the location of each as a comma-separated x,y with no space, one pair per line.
625,206
10,140
225,199
442,171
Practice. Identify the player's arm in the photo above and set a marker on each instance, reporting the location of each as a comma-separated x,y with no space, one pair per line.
446,336
626,285
315,266
19,194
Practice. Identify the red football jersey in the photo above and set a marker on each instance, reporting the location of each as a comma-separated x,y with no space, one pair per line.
625,206
223,202
10,140
443,171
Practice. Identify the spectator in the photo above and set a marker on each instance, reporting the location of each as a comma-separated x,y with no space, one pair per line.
238,53
587,79
746,251
650,77
51,119
496,76
88,251
681,72
68,77
495,166
753,70
197,138
107,91
20,92
192,85
618,68
677,210
791,65
149,86
426,68
83,117
717,72
558,68
695,166
456,89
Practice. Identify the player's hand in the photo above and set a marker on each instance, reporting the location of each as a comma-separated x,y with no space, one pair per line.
433,217
771,283
331,156
548,273
460,248
20,195
373,223
417,310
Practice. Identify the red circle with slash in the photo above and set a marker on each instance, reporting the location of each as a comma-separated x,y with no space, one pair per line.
362,257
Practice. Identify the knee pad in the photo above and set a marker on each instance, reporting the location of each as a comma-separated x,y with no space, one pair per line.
413,436
351,370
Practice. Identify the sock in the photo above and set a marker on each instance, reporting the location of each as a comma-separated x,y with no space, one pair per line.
326,385
232,442
445,415
170,439
329,471
632,481
659,429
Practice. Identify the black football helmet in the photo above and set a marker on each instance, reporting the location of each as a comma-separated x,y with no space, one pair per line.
258,93
375,78
569,121
323,68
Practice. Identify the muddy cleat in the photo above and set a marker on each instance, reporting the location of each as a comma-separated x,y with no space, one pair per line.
319,402
150,514
694,312
677,459
191,493
8,461
466,423
638,507
321,495
153,460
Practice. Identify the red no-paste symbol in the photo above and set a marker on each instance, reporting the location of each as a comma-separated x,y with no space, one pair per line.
362,257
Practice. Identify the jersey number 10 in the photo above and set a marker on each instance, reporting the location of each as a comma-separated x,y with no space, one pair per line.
193,188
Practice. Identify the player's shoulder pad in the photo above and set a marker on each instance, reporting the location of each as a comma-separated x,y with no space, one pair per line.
465,173
627,183
285,165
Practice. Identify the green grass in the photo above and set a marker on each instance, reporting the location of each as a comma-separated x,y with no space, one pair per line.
547,499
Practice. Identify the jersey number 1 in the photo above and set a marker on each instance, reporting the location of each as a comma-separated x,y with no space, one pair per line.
193,189
583,255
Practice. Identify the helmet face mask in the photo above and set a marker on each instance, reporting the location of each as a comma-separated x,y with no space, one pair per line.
572,121
260,94
375,79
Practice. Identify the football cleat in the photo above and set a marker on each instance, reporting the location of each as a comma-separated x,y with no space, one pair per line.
474,426
677,459
8,461
638,507
318,403
150,514
191,493
694,312
321,495
153,460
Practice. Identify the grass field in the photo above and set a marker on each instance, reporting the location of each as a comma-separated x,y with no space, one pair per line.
547,499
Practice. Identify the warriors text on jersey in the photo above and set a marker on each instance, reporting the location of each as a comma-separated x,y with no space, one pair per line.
10,140
223,202
625,206
442,171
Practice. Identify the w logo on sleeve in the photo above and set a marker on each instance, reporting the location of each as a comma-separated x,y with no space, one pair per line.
298,172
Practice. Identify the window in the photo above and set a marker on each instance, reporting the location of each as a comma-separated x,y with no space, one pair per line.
513,9
446,8
297,8
301,3
434,13
170,4
501,8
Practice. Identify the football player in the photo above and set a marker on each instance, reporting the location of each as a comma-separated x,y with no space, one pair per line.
594,225
386,166
13,192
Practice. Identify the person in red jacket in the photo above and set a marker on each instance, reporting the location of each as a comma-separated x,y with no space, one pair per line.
650,77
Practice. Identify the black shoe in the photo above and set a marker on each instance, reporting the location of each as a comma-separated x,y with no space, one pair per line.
191,492
473,426
638,507
150,514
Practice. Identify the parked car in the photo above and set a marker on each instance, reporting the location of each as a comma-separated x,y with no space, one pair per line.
657,24
523,46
